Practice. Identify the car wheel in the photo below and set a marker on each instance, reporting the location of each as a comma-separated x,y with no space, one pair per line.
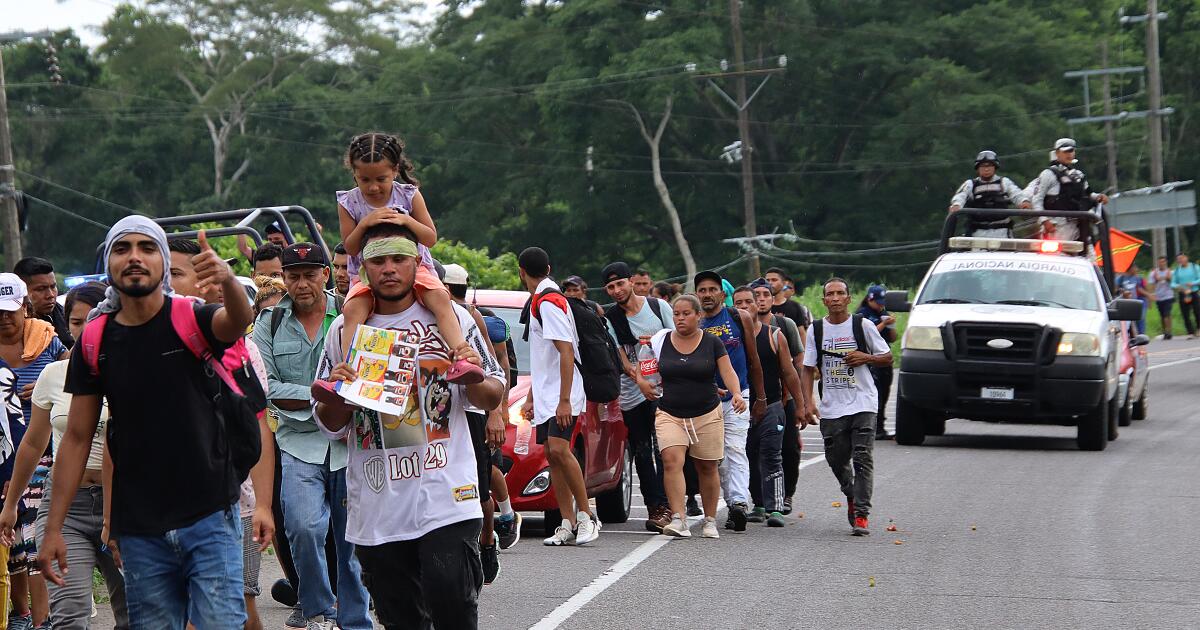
1093,429
910,428
551,520
1125,414
935,426
1114,418
614,506
1142,405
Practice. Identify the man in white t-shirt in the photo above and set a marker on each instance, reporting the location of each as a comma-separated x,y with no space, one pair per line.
840,347
556,399
411,482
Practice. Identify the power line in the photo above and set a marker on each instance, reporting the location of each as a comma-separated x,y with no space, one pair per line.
66,212
82,194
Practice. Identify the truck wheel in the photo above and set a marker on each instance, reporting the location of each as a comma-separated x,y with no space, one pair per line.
1142,404
935,426
1093,429
1114,418
1125,415
613,506
910,429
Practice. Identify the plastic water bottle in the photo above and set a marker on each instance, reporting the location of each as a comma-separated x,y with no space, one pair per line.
524,431
648,366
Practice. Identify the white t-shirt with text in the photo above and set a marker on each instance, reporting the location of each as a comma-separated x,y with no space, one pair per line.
557,324
409,475
845,390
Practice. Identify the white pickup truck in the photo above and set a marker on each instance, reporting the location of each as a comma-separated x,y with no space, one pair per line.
1011,330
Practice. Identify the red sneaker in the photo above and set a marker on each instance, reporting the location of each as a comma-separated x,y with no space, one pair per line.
860,526
464,372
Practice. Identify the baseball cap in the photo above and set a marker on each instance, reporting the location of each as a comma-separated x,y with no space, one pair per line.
1064,143
575,280
12,292
615,271
303,255
274,228
706,275
455,274
759,282
876,292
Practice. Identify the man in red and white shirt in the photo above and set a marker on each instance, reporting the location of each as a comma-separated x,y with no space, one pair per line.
556,398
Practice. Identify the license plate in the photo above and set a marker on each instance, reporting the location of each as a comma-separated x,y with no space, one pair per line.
997,393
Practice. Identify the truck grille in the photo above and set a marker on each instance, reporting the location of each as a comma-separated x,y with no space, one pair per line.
1028,341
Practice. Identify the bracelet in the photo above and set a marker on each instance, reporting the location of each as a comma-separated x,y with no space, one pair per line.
760,399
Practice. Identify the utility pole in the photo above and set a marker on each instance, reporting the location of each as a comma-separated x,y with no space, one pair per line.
1110,134
743,117
1159,235
10,224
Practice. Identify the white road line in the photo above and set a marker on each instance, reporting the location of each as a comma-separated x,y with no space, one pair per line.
600,584
1163,365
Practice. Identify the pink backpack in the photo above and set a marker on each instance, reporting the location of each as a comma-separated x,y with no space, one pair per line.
231,383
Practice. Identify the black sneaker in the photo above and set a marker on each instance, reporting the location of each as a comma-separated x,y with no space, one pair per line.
881,434
693,508
508,530
491,563
787,506
737,514
283,592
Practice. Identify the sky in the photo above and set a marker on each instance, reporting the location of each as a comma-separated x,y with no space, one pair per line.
85,16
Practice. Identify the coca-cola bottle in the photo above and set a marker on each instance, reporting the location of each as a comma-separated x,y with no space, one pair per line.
648,367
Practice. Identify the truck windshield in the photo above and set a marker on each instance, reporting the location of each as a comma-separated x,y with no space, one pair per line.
1010,286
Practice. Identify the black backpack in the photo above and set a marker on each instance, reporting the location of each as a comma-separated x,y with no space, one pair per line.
598,362
860,340
620,321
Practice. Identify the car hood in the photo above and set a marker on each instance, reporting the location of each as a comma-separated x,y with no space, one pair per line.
1067,320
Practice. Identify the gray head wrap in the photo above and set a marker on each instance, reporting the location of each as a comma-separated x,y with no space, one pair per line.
134,224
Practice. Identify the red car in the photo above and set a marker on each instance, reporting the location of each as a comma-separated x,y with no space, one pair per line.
1134,389
599,440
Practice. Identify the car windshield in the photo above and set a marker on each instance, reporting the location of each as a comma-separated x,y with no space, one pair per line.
513,317
1052,289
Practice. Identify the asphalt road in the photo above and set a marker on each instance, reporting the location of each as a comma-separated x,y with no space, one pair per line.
997,526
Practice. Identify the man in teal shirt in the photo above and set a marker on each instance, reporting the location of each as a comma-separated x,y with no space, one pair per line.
291,338
1186,282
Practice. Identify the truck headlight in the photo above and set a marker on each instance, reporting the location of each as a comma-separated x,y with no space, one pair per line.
1079,345
923,338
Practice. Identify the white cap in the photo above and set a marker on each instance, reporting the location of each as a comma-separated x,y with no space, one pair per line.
12,292
455,274
1064,143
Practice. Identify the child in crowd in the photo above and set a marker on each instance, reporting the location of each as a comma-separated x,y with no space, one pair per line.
377,161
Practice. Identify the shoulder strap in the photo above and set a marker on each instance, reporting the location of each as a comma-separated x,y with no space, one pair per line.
860,337
818,328
737,319
276,320
656,307
89,341
183,320
620,323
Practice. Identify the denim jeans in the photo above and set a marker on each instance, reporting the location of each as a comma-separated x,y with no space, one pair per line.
314,497
193,573
764,448
849,449
646,458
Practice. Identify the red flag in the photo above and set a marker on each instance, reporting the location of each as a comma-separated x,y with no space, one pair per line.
1124,250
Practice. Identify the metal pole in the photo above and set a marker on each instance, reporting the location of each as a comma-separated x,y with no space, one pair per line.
9,223
1159,238
744,131
1110,135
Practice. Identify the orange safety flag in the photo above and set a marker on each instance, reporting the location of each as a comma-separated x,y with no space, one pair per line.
1124,250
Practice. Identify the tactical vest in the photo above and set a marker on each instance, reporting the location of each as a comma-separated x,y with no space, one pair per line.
988,195
1072,189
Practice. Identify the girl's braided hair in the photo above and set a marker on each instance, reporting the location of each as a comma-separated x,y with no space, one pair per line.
375,146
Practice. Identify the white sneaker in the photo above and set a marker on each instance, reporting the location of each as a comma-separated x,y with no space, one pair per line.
562,536
320,623
588,529
677,527
710,529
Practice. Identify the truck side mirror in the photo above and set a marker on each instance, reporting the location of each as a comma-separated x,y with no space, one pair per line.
1139,340
897,301
1125,310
